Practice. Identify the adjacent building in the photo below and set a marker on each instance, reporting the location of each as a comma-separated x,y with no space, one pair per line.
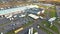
35,12
33,16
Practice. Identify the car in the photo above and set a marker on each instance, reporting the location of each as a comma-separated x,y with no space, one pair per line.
13,24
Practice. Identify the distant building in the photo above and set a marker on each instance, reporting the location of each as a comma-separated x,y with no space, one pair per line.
48,5
32,0
11,11
34,12
50,0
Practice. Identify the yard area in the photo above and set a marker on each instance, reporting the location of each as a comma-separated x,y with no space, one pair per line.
45,30
49,10
52,11
57,21
47,25
34,30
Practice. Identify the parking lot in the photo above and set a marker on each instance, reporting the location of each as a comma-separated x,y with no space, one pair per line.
7,24
14,22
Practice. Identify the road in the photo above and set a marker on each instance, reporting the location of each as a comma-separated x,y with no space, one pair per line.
34,25
58,10
58,14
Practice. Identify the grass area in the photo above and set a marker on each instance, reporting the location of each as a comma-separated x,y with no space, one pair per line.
56,22
52,11
34,30
43,6
45,12
24,26
45,22
10,32
45,30
53,28
58,19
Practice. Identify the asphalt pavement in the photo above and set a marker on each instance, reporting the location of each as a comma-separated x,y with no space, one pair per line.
34,25
8,25
58,10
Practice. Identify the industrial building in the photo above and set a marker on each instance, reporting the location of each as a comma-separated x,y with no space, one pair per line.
16,10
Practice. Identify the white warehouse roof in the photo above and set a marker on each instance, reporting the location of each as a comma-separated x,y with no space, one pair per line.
52,19
6,11
33,16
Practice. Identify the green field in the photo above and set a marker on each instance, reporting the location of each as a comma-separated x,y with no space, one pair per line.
53,28
45,30
34,30
52,11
